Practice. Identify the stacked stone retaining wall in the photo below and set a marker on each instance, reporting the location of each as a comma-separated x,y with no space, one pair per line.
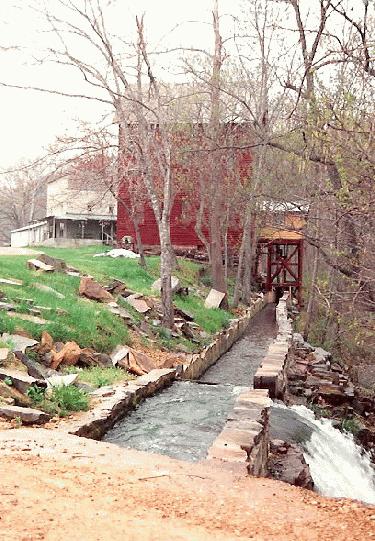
271,374
245,437
116,402
222,343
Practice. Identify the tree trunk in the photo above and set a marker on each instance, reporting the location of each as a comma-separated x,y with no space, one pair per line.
216,257
139,243
165,275
238,288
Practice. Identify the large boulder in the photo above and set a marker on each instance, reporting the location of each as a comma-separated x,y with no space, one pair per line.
214,299
69,354
57,264
92,290
27,415
287,463
46,343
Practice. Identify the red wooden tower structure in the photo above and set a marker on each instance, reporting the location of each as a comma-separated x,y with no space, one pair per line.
279,256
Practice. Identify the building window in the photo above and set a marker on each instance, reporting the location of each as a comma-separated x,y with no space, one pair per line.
111,209
89,207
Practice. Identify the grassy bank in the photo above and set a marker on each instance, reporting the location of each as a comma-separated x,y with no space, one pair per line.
88,323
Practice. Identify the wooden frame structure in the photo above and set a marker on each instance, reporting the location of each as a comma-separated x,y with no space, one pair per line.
279,261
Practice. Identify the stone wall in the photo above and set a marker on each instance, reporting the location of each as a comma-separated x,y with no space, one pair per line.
245,437
222,343
271,374
116,402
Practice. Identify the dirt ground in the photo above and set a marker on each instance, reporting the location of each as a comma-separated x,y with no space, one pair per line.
57,487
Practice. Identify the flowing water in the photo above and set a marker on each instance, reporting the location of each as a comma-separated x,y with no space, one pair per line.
338,466
183,420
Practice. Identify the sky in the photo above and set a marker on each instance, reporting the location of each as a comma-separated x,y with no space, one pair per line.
30,121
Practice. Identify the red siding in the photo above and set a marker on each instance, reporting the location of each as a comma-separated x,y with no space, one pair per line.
182,233
182,229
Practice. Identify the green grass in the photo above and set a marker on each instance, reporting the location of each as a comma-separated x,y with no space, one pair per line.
351,425
100,377
90,324
62,400
211,320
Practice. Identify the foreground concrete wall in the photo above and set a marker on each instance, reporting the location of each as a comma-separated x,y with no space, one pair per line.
222,343
271,374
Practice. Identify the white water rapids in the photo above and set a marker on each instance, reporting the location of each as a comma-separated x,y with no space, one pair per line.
338,466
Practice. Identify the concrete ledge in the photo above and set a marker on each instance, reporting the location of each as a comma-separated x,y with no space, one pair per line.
116,402
245,437
271,374
222,343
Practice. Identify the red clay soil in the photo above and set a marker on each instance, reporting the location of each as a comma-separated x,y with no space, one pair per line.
57,487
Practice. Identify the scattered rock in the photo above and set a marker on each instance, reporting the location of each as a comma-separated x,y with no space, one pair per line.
48,289
366,376
57,264
36,264
140,305
175,284
20,380
19,342
8,391
27,415
116,287
34,369
118,354
333,394
214,299
46,343
92,290
187,316
286,463
135,362
69,355
6,306
28,317
4,352
117,310
12,282
58,380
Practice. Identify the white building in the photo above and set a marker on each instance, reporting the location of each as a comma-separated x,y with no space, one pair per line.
74,216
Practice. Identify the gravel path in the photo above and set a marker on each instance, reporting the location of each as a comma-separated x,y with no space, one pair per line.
56,487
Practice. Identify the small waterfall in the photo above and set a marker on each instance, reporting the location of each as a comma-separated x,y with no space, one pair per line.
338,466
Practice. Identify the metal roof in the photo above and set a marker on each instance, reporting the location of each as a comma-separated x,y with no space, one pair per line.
29,226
